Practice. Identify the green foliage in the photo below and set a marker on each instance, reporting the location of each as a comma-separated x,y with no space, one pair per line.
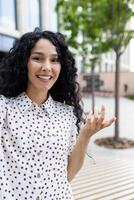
77,18
117,15
101,24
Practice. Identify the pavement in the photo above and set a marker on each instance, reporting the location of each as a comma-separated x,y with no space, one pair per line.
126,126
110,174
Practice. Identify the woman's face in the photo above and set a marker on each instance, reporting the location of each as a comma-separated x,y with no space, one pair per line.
43,66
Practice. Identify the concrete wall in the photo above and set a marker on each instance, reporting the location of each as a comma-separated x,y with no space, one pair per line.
109,80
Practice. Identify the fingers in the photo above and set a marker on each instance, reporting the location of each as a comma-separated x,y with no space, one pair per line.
97,116
96,119
108,122
101,115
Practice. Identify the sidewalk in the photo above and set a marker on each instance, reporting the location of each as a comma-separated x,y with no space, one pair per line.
108,179
112,177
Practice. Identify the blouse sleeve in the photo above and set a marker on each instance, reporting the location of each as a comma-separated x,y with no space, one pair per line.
73,134
2,111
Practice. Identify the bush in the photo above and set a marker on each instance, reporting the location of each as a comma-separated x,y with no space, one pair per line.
130,96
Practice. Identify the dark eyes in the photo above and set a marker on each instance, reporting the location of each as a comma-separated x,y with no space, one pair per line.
39,59
54,60
36,58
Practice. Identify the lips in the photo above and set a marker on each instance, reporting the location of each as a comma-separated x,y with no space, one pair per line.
44,77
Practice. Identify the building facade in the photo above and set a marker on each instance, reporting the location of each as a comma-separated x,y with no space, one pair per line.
20,16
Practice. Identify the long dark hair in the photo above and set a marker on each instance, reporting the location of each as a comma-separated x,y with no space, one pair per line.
14,72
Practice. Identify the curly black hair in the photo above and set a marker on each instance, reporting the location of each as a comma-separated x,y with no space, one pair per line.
14,72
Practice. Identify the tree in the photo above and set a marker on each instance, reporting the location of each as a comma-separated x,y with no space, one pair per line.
77,19
103,25
117,15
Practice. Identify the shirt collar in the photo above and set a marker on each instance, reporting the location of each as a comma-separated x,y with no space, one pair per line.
25,103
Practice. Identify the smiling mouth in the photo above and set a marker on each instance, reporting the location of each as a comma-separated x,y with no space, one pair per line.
44,77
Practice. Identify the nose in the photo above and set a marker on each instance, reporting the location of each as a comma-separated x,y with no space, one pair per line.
46,66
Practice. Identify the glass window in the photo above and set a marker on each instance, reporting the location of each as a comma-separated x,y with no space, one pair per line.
53,15
6,43
8,14
34,14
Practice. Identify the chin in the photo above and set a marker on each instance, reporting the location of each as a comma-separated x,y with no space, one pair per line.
44,89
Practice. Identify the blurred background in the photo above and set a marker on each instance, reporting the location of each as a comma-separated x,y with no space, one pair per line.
20,16
100,34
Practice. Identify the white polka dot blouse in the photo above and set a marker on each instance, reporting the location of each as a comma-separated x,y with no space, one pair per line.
35,142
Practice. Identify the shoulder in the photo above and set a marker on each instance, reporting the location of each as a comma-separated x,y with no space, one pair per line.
2,108
66,113
64,107
2,100
5,102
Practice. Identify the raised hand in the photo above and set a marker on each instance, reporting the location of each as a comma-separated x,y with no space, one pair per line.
96,122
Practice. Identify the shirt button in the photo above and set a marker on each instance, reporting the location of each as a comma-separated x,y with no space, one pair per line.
39,153
39,115
37,198
38,175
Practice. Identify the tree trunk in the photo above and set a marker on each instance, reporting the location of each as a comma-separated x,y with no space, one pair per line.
93,87
117,96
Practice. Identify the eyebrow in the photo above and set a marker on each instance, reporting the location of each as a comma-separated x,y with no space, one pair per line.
40,53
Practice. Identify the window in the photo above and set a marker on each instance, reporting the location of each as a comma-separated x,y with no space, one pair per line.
34,14
53,15
6,43
8,14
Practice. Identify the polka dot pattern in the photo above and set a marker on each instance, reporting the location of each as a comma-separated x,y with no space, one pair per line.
35,142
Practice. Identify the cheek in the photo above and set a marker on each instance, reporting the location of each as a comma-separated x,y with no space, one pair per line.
58,69
31,68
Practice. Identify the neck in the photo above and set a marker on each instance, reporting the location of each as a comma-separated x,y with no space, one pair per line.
37,96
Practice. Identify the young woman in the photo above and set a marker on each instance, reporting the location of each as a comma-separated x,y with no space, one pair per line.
40,118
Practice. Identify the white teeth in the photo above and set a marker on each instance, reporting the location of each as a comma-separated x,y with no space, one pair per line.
44,77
